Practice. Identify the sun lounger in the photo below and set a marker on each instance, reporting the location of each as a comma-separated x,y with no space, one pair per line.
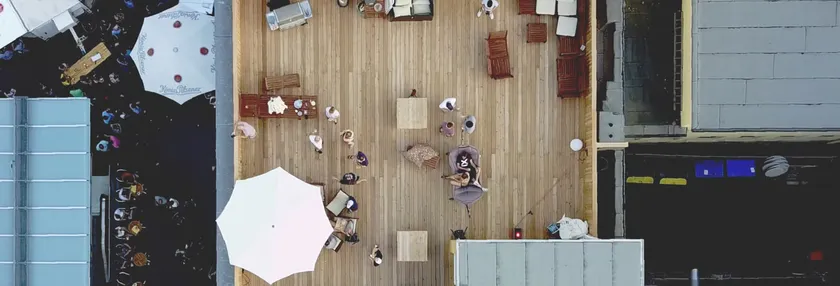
498,59
338,203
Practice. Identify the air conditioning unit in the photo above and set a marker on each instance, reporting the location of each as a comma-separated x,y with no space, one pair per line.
289,16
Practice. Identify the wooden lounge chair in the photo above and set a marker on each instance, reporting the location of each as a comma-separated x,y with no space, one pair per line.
338,203
345,225
498,59
422,155
284,81
572,74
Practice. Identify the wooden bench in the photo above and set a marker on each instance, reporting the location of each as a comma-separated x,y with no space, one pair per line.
432,163
284,81
572,74
498,59
86,64
537,33
256,105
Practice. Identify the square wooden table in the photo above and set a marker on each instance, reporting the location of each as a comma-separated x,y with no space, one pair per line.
412,246
412,113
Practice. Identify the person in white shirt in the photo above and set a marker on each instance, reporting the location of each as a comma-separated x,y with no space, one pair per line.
448,105
247,130
332,114
487,7
316,141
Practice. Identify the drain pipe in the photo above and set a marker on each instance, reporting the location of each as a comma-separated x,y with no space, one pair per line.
695,280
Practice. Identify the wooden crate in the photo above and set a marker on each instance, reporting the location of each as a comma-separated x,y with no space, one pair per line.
283,81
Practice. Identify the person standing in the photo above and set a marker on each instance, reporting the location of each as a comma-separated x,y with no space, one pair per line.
360,158
332,114
316,141
348,137
487,7
349,179
469,124
448,105
376,256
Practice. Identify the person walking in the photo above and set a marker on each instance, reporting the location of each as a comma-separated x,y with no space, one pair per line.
247,130
469,124
376,256
447,128
448,105
360,158
487,7
349,179
332,114
316,141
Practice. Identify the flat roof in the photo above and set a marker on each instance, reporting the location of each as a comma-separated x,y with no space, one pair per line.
549,262
52,201
765,65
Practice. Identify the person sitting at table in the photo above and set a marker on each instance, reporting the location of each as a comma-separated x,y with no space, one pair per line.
352,204
126,177
124,250
348,136
124,195
122,233
353,238
123,214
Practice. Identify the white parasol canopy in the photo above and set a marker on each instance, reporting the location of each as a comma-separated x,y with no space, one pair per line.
274,225
11,26
175,53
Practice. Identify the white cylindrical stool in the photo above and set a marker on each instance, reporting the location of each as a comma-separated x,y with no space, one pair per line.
576,145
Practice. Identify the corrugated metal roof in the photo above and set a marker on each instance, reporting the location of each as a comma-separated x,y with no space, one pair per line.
52,201
549,262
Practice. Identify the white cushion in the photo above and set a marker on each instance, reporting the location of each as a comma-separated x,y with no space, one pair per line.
566,26
402,3
422,9
566,7
546,7
422,2
400,11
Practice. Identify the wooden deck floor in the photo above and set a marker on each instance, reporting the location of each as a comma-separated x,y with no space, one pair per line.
362,67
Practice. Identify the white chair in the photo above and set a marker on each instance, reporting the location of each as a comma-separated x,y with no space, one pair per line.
546,7
567,7
566,26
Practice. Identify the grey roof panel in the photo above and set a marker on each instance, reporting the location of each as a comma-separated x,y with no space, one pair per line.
58,248
549,262
6,172
762,40
65,139
742,14
58,274
598,258
823,39
7,196
61,112
7,113
7,223
792,91
55,194
59,167
625,255
59,221
569,262
766,65
482,264
7,139
513,265
540,264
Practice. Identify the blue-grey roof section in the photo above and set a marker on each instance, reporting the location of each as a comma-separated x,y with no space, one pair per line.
45,222
766,65
549,262
224,126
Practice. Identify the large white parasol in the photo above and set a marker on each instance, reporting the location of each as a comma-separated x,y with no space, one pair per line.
274,225
175,54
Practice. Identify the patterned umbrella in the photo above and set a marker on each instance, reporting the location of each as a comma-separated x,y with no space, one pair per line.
175,55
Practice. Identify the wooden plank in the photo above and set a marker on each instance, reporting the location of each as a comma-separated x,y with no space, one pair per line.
86,65
361,67
283,81
611,145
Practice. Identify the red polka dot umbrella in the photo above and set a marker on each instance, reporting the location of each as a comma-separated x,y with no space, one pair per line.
174,53
11,25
